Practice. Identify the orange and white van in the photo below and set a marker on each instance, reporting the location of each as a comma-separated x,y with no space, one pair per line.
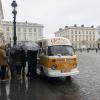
57,57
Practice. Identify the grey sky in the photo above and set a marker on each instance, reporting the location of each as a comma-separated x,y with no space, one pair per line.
54,14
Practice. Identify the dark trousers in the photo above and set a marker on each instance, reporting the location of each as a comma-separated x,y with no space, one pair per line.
32,66
18,69
12,69
23,66
3,72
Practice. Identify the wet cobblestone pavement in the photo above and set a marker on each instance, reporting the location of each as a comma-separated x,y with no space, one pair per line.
84,86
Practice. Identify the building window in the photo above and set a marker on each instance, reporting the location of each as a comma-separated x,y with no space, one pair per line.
76,38
75,32
71,31
86,37
12,28
99,33
93,38
90,32
25,36
30,34
34,29
83,37
19,29
30,29
90,38
83,32
90,45
93,45
79,37
72,37
7,38
7,29
24,29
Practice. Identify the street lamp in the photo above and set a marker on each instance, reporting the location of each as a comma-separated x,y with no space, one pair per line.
14,5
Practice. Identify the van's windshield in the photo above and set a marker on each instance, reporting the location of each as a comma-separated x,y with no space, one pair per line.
60,50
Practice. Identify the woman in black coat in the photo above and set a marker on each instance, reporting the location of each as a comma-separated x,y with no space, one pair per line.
32,63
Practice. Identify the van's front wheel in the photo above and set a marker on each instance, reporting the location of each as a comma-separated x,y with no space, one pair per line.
68,78
42,71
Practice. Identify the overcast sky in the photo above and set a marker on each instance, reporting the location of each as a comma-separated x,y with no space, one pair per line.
55,14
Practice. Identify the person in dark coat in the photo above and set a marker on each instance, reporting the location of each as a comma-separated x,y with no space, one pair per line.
23,60
96,50
32,63
18,62
11,62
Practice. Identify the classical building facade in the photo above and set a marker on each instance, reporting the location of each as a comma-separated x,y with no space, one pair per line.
25,31
98,41
81,37
1,18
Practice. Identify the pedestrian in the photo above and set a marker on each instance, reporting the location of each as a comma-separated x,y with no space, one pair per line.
80,50
96,50
87,49
18,62
32,64
23,60
12,61
3,63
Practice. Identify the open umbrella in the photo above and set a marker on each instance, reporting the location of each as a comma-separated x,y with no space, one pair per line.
30,46
17,47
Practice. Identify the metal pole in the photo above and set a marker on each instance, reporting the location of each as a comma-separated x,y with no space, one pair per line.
14,5
15,37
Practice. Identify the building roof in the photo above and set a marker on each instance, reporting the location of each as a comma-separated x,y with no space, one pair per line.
22,24
1,10
76,27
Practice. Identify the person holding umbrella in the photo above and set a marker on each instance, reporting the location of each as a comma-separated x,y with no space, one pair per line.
15,61
32,50
23,60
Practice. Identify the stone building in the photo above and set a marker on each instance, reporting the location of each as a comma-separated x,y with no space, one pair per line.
81,37
25,31
98,41
1,18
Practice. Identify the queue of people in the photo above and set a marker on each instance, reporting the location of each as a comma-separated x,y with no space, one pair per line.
15,59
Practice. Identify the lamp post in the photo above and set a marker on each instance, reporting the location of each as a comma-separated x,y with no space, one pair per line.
14,5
